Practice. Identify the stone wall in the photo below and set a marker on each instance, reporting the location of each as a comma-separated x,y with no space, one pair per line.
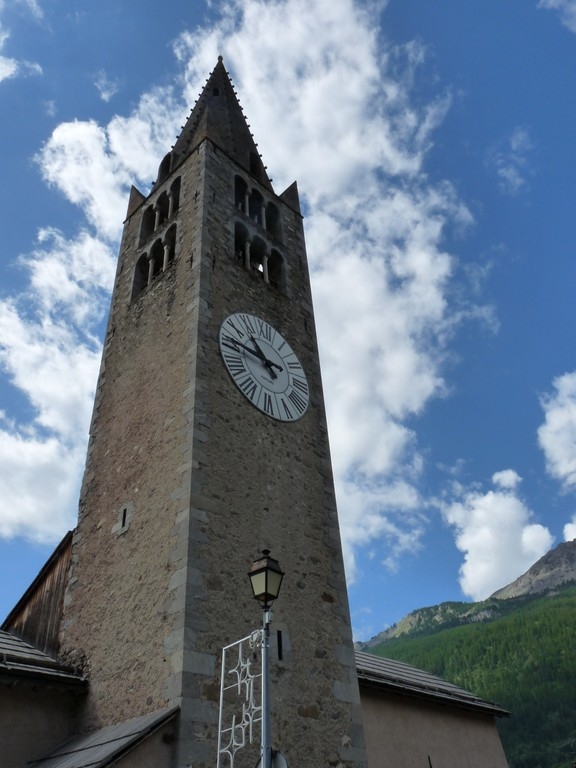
186,481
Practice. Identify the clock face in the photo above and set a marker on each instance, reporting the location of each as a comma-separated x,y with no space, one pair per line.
264,367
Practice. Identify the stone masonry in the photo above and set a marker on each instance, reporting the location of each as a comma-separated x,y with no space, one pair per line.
186,481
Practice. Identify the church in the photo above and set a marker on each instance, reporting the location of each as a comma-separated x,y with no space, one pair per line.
208,445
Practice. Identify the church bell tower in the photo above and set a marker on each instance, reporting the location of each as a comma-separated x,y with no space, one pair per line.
208,443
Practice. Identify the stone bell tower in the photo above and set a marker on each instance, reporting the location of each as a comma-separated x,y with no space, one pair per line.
208,443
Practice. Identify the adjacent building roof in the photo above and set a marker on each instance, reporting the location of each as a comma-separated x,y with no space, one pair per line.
98,748
404,679
20,660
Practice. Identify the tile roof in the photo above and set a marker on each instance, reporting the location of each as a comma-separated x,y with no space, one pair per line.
20,660
99,748
396,676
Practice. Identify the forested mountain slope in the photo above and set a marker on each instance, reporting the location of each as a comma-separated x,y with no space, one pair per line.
519,652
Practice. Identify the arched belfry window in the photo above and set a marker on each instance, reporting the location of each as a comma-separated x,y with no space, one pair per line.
156,259
273,222
255,164
174,196
258,256
254,255
240,242
164,169
149,266
169,246
140,275
147,225
240,194
256,207
161,208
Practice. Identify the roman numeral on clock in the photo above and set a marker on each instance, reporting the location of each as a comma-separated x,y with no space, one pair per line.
268,404
263,366
248,324
288,414
297,401
237,330
265,331
249,387
300,384
235,364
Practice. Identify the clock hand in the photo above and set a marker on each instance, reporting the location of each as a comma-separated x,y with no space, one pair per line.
257,352
261,354
271,371
234,344
267,362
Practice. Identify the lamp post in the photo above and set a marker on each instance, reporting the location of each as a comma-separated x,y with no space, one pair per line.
266,578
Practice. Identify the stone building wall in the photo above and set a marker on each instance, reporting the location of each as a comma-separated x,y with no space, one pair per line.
186,481
119,608
257,482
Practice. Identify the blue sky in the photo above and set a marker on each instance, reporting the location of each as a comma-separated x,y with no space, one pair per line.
433,147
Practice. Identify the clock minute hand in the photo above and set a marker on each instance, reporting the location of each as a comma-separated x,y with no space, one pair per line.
262,356
267,362
234,344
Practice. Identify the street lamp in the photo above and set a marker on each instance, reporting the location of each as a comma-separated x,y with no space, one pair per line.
266,578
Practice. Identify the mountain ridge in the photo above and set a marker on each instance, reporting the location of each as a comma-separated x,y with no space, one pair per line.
514,648
555,569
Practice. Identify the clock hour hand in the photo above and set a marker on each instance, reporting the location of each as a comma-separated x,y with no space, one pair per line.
268,363
234,344
262,356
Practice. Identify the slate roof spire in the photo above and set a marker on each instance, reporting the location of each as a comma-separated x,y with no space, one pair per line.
218,116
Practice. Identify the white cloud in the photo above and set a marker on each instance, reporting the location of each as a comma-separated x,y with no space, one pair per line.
49,348
8,68
566,10
11,67
106,86
94,166
76,159
569,531
507,479
49,352
508,159
557,435
38,488
494,530
71,277
338,114
14,68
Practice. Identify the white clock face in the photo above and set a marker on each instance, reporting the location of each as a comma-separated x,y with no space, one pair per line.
264,367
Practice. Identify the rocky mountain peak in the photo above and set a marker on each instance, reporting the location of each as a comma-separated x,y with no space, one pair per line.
555,568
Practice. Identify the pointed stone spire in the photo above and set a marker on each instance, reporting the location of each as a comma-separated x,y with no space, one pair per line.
291,197
218,116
